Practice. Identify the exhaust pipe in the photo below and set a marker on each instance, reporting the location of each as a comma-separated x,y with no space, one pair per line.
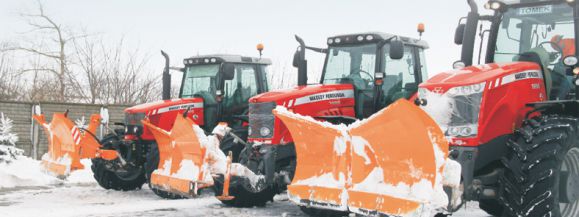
301,63
166,78
469,37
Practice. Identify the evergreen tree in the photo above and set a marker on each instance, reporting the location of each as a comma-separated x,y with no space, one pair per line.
8,139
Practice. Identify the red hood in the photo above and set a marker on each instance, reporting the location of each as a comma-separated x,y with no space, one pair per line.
280,96
477,74
171,104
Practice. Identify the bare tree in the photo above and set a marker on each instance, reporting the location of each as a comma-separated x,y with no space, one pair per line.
53,46
114,74
63,66
9,78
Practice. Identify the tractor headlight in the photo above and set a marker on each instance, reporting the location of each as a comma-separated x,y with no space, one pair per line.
462,131
264,131
467,90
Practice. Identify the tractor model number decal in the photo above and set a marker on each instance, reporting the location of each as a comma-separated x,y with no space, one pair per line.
532,74
177,107
333,95
536,10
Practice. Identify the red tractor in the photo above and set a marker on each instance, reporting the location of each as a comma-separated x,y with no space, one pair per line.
214,88
513,123
362,74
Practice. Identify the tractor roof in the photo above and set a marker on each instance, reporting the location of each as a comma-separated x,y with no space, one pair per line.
377,36
225,58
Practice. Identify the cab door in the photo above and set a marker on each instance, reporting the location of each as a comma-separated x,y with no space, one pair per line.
237,92
401,77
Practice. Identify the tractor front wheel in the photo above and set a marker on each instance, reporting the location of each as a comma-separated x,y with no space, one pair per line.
121,181
542,169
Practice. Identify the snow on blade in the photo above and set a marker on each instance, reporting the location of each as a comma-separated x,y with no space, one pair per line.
187,170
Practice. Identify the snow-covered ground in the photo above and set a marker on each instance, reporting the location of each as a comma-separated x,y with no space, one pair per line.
27,191
91,200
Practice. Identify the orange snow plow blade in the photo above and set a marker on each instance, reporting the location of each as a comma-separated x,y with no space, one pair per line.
182,168
388,164
320,175
67,144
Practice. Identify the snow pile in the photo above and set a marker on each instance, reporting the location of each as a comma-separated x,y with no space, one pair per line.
83,176
26,172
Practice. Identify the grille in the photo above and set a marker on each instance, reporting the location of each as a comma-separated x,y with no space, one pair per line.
261,116
134,119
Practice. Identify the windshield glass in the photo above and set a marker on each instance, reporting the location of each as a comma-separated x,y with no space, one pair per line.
351,64
547,30
200,80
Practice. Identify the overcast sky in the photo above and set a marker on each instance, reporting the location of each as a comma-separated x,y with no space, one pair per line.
185,28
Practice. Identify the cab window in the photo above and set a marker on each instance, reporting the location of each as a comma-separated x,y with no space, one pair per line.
351,64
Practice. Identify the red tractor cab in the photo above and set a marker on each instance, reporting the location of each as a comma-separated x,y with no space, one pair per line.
513,122
362,74
214,88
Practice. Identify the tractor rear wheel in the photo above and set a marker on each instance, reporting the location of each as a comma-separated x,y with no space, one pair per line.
121,181
542,168
150,166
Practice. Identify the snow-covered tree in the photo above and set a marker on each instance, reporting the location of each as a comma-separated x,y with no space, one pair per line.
8,139
81,123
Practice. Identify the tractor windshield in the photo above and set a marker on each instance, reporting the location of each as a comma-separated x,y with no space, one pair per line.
547,30
200,80
351,64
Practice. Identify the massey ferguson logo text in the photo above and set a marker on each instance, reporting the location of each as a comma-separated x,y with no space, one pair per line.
327,96
181,107
530,74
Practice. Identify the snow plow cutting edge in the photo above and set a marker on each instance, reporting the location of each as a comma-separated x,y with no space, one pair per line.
392,163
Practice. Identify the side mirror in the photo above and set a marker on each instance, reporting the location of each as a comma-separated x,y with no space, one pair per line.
396,49
411,87
459,34
296,60
228,71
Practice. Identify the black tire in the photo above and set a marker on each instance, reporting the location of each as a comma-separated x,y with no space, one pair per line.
539,150
239,189
244,198
492,207
150,166
111,180
322,212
